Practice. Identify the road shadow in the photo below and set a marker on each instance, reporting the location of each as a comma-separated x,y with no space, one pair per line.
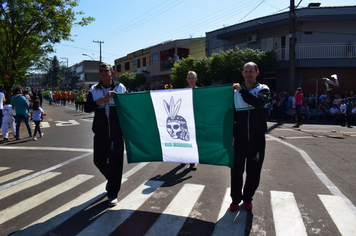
70,222
235,223
174,177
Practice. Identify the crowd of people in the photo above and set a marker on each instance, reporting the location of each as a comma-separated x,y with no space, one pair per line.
26,105
23,105
336,108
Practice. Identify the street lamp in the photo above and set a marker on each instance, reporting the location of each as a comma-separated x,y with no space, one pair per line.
88,56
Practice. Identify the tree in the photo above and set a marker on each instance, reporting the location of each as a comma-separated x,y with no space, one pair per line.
28,31
127,79
132,80
225,67
55,73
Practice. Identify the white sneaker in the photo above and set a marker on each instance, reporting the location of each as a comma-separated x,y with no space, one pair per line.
112,202
34,138
41,135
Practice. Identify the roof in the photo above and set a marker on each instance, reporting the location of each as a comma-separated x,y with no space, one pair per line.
302,14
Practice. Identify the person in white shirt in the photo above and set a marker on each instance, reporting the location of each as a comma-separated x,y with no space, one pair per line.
342,112
334,112
8,121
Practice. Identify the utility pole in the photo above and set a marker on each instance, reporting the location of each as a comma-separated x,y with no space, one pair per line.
100,42
291,47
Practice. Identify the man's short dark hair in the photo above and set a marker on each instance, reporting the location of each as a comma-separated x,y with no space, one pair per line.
103,64
16,90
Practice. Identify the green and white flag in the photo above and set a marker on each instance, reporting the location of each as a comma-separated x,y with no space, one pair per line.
179,125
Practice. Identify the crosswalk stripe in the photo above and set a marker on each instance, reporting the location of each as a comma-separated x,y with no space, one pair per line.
342,215
28,184
134,169
286,215
14,175
104,225
229,223
4,168
34,201
174,216
63,213
43,171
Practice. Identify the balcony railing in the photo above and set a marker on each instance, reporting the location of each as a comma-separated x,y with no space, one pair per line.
318,51
167,65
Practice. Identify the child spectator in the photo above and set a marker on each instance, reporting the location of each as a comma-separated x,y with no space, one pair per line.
37,116
8,121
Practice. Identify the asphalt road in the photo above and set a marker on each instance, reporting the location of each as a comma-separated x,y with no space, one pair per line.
51,187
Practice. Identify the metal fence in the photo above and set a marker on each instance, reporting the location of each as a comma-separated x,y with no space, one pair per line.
318,51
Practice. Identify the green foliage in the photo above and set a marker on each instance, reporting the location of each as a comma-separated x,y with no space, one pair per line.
221,68
28,31
55,72
132,81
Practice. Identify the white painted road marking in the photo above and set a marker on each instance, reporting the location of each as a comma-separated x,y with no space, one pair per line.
14,175
341,214
174,216
36,200
286,215
28,184
43,171
230,223
318,172
105,225
66,123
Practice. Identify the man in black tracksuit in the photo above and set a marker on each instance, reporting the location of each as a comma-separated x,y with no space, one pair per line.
108,139
249,142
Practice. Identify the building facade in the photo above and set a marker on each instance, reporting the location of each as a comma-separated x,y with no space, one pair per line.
84,74
325,45
156,62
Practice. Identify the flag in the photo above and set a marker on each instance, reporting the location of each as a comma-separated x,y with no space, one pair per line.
178,125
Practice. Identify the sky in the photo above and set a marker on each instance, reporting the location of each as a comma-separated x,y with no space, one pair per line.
127,26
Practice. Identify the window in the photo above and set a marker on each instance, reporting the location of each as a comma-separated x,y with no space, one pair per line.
138,63
144,61
127,65
154,58
118,68
216,50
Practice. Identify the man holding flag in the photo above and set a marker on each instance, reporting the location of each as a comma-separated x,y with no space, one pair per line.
108,139
249,142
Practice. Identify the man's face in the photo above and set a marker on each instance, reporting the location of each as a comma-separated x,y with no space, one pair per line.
105,73
250,74
191,80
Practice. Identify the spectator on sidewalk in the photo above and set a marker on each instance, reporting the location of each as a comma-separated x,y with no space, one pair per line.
283,105
298,96
342,112
305,112
348,112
